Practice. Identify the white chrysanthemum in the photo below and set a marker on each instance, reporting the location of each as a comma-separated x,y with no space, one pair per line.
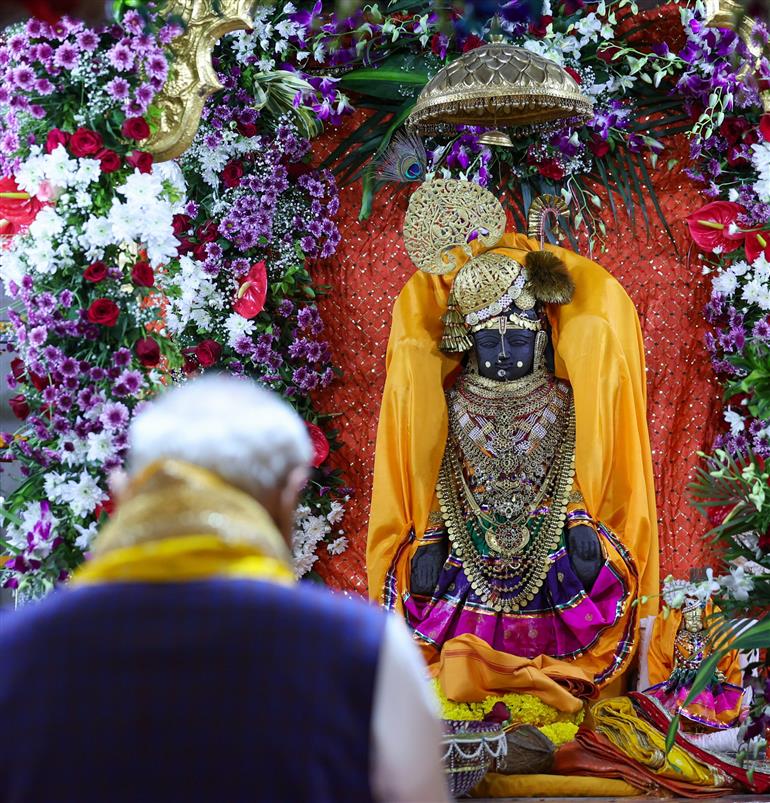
12,269
54,484
734,420
336,513
725,283
237,327
757,292
47,224
760,158
338,546
89,171
84,495
100,446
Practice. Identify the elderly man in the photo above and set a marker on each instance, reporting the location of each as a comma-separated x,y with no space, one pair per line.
184,664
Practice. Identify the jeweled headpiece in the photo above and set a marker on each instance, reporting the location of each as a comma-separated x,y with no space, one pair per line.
444,217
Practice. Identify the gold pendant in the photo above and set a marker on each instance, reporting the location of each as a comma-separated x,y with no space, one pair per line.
507,542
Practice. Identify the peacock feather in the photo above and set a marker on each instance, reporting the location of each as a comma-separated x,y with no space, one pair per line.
404,160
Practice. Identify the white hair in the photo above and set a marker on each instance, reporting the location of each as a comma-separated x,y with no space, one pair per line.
233,427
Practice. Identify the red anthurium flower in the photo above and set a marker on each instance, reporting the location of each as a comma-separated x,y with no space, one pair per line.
320,444
710,227
764,127
16,206
252,293
757,242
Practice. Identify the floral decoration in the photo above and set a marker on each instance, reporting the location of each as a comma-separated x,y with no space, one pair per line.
126,275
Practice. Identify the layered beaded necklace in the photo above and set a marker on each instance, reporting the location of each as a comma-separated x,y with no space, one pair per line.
505,480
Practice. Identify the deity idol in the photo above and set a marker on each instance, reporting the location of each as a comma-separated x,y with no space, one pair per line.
513,516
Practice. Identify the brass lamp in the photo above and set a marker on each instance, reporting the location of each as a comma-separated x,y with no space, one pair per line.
498,85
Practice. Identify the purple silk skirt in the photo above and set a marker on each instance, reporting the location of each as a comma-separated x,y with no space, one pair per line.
562,621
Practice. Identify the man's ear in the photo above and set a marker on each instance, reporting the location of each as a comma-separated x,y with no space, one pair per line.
287,504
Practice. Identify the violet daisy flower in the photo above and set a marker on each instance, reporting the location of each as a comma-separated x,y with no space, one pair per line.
23,77
69,367
66,56
121,57
117,88
88,40
114,415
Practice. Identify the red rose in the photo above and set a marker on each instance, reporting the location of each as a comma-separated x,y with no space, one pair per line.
85,142
575,75
607,53
96,272
55,138
107,507
599,148
141,160
18,369
135,128
208,232
232,174
104,312
185,246
246,129
147,352
499,714
199,252
110,160
297,169
733,129
208,353
540,29
190,361
472,42
19,406
710,227
142,275
40,383
252,292
320,444
181,224
764,127
550,168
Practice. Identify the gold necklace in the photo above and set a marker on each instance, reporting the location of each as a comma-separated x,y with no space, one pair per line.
480,493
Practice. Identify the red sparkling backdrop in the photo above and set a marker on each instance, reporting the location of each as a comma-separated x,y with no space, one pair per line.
370,268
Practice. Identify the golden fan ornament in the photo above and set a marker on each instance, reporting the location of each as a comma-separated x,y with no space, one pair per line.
498,85
193,78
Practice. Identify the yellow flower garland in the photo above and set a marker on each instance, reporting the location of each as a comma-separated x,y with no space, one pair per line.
526,709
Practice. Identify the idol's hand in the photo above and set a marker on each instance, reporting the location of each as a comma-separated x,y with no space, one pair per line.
585,554
427,563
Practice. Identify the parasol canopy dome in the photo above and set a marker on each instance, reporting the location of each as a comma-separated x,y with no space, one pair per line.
498,85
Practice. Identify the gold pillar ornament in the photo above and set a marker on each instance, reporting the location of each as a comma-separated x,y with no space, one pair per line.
497,84
732,15
192,78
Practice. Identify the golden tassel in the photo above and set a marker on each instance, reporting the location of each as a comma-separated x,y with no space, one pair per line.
455,337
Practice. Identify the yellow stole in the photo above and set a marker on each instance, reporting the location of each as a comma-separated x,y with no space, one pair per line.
178,522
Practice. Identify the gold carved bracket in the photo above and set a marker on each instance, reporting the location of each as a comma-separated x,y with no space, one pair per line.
193,78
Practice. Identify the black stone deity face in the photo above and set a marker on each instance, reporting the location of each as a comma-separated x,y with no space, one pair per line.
508,355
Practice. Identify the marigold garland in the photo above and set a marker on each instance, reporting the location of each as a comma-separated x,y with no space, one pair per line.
525,709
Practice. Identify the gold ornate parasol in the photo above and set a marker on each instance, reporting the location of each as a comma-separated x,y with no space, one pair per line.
193,78
498,85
